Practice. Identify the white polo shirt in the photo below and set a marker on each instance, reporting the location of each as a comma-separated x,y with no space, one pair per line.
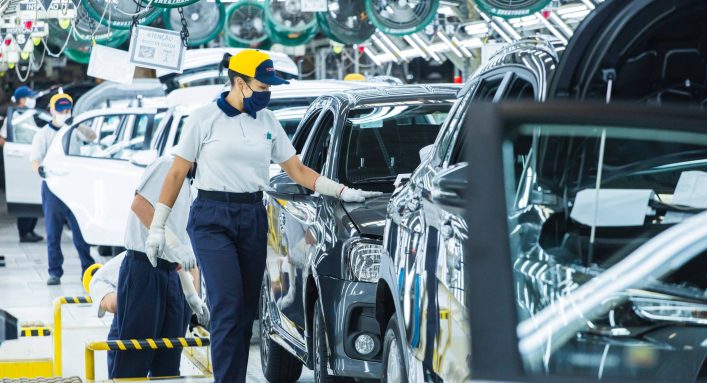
41,142
43,139
150,188
233,153
104,282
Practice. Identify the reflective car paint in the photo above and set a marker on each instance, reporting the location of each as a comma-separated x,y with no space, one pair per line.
308,233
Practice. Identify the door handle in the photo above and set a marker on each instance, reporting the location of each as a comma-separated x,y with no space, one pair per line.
56,171
15,153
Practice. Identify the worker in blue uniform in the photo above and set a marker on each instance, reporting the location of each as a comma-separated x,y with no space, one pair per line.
56,213
23,128
150,302
234,140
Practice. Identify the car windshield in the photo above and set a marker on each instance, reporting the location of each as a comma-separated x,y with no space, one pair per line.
381,142
566,232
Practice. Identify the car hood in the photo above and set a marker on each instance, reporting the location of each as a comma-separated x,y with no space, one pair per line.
368,217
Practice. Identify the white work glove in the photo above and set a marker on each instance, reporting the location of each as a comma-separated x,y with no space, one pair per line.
357,195
156,239
198,306
325,186
177,252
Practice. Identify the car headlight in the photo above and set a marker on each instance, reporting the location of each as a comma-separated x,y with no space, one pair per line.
669,310
364,258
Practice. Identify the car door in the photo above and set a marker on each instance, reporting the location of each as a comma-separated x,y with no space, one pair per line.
419,229
298,237
22,184
96,182
448,232
593,322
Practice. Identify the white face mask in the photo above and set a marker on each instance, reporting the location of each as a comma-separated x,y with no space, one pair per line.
60,119
30,103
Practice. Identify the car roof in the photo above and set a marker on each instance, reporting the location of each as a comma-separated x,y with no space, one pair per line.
148,88
406,93
195,58
516,53
200,95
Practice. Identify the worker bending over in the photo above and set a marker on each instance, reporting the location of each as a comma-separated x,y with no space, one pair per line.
150,303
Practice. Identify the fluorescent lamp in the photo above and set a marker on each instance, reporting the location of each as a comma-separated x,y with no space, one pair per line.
552,29
382,46
414,46
462,48
425,46
449,43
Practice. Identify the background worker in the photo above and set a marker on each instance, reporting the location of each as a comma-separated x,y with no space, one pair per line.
55,211
104,286
23,122
150,302
234,140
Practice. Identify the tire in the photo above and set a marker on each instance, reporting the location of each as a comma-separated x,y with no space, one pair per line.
279,366
393,363
104,251
320,351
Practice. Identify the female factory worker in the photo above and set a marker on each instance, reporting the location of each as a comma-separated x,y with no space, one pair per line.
234,140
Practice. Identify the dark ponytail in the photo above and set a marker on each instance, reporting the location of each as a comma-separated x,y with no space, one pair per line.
231,74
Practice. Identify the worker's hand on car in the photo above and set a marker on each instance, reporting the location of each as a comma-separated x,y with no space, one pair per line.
154,244
357,195
198,306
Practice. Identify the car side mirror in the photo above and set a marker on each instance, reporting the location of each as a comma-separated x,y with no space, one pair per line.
143,158
450,187
425,152
286,189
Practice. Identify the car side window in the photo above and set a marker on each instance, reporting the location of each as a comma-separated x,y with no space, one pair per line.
519,89
488,88
77,142
450,132
301,135
320,143
23,126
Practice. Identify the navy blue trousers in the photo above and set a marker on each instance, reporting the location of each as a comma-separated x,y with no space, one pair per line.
229,240
55,214
151,305
26,225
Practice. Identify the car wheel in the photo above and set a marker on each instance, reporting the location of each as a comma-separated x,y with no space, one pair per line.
393,363
104,251
278,365
320,351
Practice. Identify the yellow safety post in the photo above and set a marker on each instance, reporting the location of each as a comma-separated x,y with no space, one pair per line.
202,362
136,344
58,302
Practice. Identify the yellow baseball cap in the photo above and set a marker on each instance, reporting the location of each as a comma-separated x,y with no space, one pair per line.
256,64
61,102
355,77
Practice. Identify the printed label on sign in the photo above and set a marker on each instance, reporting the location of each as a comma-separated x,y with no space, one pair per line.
314,5
157,48
111,64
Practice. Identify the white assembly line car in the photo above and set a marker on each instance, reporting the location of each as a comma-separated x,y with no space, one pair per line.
97,180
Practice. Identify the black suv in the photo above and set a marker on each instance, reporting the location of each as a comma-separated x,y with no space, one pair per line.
640,51
318,294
